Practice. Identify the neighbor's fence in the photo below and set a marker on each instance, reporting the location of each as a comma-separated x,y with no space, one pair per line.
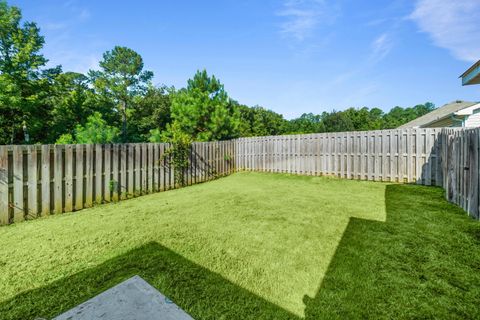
461,178
38,180
401,155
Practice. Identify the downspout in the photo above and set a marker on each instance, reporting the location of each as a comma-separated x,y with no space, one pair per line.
453,118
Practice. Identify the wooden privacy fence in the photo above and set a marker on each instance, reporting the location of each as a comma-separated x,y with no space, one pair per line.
428,156
400,155
38,180
461,168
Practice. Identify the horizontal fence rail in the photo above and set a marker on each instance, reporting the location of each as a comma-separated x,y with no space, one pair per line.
402,155
39,180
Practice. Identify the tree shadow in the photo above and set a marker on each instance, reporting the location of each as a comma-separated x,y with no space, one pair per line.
431,172
201,293
411,266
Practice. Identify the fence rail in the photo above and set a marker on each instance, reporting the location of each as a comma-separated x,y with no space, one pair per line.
39,180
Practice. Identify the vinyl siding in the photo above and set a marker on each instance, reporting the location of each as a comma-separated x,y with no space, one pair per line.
473,120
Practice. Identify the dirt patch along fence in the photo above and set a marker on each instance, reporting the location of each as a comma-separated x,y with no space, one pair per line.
38,180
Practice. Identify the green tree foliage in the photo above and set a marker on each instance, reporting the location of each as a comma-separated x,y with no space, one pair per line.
72,102
337,121
95,130
177,156
151,112
306,123
258,121
121,79
398,116
20,88
353,119
49,105
203,109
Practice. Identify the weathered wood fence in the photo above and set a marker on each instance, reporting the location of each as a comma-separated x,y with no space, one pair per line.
461,168
428,156
39,180
402,155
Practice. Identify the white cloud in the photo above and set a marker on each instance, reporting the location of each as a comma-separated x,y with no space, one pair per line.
65,46
72,60
302,17
84,14
79,12
54,26
381,46
453,25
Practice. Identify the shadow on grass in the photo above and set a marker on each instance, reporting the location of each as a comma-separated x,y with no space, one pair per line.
200,292
422,263
409,267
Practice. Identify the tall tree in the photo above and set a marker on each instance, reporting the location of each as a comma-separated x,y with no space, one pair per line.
306,123
121,78
258,121
398,115
72,101
337,121
203,109
151,112
20,63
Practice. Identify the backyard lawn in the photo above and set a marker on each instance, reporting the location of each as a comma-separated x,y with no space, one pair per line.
256,246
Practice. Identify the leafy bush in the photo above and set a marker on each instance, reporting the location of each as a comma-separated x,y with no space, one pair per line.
96,130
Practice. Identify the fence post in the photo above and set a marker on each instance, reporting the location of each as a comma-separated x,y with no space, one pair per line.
18,203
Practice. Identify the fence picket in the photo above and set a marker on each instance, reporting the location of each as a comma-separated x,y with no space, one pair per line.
79,176
89,177
98,173
32,181
131,170
46,180
68,206
107,171
123,188
115,182
58,179
4,203
18,204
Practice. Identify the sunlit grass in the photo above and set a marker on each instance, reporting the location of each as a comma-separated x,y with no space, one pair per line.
260,245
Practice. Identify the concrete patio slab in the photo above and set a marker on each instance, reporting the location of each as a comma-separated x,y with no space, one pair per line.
133,299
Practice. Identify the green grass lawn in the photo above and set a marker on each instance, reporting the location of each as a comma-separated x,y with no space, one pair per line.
256,246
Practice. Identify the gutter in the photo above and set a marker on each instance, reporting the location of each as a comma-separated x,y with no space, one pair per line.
453,118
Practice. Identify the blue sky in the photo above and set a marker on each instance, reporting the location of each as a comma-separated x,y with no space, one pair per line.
291,56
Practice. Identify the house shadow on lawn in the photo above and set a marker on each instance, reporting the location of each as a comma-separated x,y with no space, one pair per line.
201,293
422,263
398,269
